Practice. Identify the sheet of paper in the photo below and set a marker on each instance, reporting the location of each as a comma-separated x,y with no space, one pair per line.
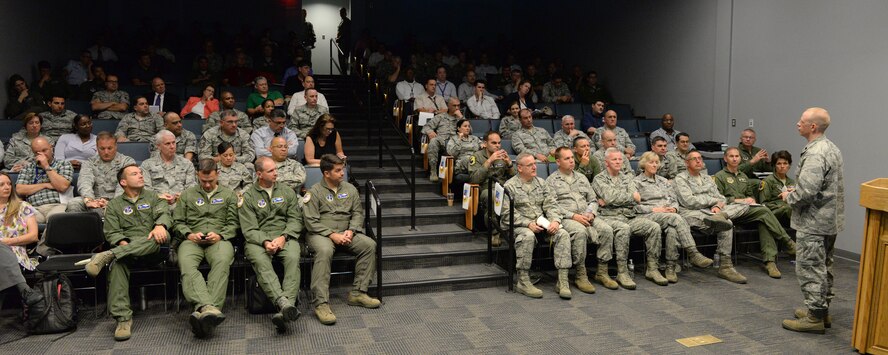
424,117
467,196
698,340
498,199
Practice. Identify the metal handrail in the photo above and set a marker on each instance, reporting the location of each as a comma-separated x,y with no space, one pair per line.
339,50
495,223
370,190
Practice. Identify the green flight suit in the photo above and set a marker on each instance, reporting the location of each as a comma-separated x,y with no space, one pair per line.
769,190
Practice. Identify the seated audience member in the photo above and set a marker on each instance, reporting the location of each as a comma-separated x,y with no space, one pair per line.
267,61
484,70
232,174
575,78
480,103
227,101
556,91
202,75
438,130
738,189
48,83
201,107
262,93
409,89
305,116
290,172
522,96
57,121
593,118
240,74
609,140
135,226
19,224
512,80
227,132
18,152
271,221
90,87
277,127
467,88
444,87
753,159
531,139
21,99
215,62
110,103
140,125
337,225
667,131
669,161
536,78
231,59
658,203
298,99
79,71
98,183
683,146
430,101
462,145
186,141
163,100
567,134
323,139
591,91
266,110
12,277
294,77
777,183
43,180
203,225
491,162
144,71
167,173
584,161
624,143
510,123
79,146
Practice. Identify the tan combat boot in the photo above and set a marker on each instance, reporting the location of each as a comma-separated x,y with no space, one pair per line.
623,277
790,248
582,280
562,286
771,268
653,274
670,274
124,330
358,298
803,312
727,272
807,324
718,222
604,279
325,314
98,262
698,259
525,287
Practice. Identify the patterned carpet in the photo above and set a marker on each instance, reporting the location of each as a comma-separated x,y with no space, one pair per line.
493,321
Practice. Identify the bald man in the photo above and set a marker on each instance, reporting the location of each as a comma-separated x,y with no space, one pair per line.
43,181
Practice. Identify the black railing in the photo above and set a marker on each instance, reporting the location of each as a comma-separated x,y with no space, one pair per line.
338,52
372,206
506,236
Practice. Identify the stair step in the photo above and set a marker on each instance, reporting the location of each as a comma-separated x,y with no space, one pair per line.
379,173
402,200
397,184
424,215
425,234
414,256
442,278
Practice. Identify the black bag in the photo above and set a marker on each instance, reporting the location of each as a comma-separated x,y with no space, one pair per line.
57,312
708,146
257,301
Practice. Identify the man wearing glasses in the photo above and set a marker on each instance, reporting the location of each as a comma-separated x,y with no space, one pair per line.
227,132
110,103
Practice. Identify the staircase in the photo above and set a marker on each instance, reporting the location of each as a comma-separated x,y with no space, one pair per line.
440,254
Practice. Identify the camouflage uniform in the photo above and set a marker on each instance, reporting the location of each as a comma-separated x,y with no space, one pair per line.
575,196
670,165
236,177
304,117
623,140
461,149
696,193
750,169
139,129
770,189
106,96
169,178
56,125
818,215
590,169
561,139
185,143
508,126
599,156
500,171
658,192
682,157
444,125
243,121
291,173
532,200
619,212
240,140
532,141
98,179
550,92
734,186
18,150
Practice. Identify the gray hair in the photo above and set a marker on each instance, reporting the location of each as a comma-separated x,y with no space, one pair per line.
158,138
565,117
610,151
524,155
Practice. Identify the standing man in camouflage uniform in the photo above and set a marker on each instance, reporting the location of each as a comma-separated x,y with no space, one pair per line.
624,143
533,200
579,207
304,117
531,139
696,191
97,184
111,103
290,172
609,140
167,173
228,132
617,198
205,221
334,219
567,134
271,221
738,189
186,141
136,225
226,99
818,215
139,125
439,129
584,161
490,163
57,121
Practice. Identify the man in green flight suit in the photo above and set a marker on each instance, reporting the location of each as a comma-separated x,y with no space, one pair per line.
271,221
136,225
334,219
205,220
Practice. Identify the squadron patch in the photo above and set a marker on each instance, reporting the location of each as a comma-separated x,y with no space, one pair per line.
472,160
329,197
128,210
240,201
261,203
143,206
277,200
217,201
200,201
730,180
342,196
307,197
762,186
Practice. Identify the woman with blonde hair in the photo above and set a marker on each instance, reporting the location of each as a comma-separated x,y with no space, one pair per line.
18,224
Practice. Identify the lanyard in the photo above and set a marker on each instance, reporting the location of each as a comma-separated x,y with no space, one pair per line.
442,88
37,175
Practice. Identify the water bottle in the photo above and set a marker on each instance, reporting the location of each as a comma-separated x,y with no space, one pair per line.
715,260
631,269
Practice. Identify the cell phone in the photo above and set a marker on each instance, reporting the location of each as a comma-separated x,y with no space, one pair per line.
204,237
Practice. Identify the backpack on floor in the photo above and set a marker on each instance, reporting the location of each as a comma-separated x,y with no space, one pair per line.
57,312
257,301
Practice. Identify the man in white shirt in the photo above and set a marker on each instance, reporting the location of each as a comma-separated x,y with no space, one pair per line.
443,87
482,105
298,99
409,88
429,100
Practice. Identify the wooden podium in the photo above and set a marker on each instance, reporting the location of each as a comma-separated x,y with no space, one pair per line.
870,333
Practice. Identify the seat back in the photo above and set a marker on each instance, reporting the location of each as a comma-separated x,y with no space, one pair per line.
624,111
575,110
79,107
712,165
194,126
109,126
494,125
479,127
542,170
546,124
641,144
649,125
139,151
630,125
312,176
506,144
74,232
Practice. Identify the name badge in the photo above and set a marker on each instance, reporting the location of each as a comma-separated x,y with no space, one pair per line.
200,202
128,210
342,195
277,200
261,203
329,197
143,206
217,201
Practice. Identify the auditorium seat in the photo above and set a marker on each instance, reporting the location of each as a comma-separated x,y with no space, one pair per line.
641,144
479,127
8,128
546,124
712,165
630,125
240,92
139,151
648,125
575,110
494,125
624,111
506,144
542,170
313,175
79,107
194,126
105,125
